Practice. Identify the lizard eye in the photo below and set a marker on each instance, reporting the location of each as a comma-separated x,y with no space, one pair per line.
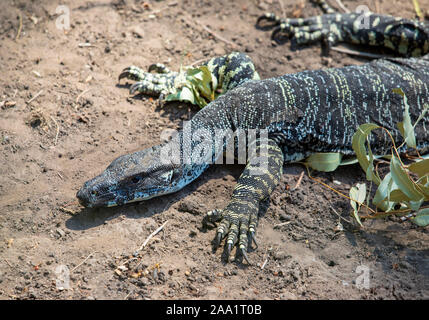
135,179
94,192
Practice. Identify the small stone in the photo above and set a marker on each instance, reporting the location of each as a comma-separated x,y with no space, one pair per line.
326,61
137,32
280,255
285,217
60,232
144,282
191,207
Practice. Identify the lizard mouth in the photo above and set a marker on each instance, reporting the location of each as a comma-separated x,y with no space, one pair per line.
94,200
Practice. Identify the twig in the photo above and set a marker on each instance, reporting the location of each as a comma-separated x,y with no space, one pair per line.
58,131
341,5
82,262
282,8
417,9
37,94
8,263
298,183
339,216
69,211
281,224
151,235
19,28
358,53
263,265
214,34
198,62
81,94
377,6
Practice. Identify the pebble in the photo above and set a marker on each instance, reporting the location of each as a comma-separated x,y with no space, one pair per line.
61,232
285,217
144,281
280,255
191,207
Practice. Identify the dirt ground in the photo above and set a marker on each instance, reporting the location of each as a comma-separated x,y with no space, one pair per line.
64,118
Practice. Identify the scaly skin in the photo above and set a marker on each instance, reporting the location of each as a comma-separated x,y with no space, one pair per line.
407,38
303,113
229,71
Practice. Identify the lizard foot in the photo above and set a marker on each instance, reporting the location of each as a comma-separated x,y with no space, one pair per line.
235,227
158,84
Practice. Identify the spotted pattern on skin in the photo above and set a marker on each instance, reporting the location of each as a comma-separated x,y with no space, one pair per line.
229,71
406,38
306,112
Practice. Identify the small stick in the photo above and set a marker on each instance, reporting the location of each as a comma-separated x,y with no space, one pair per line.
263,265
417,9
69,211
37,94
82,262
282,9
198,62
339,216
151,236
211,32
19,28
8,263
298,183
81,94
358,53
341,5
58,131
377,6
281,224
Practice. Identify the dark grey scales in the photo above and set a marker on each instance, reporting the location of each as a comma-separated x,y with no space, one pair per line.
306,112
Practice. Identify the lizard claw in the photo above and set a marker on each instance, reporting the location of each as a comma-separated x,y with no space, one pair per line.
132,73
252,237
228,251
217,240
244,254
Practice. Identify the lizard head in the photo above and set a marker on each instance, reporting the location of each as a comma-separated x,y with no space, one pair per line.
134,177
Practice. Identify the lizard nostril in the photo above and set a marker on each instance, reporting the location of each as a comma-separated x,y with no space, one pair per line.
82,197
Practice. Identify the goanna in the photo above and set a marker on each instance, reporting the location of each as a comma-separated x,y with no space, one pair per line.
302,113
403,37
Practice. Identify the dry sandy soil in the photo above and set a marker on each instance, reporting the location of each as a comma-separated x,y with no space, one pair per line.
64,118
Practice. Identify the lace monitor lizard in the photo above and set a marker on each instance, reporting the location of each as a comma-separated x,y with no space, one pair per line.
306,112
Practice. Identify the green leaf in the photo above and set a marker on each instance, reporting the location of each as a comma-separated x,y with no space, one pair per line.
358,144
186,94
401,178
406,128
324,161
398,196
422,218
357,196
421,168
346,162
382,195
